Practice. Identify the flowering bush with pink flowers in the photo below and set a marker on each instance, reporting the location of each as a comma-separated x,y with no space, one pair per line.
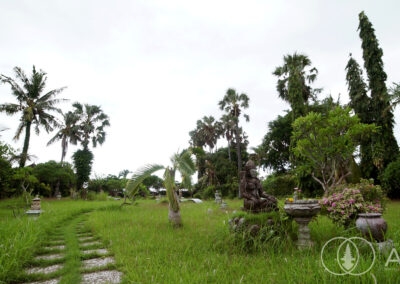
344,204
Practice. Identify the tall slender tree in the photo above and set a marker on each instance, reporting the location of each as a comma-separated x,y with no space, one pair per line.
227,126
360,102
233,104
294,79
36,109
385,147
92,124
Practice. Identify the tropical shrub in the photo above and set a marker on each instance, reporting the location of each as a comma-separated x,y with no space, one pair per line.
391,179
344,204
279,185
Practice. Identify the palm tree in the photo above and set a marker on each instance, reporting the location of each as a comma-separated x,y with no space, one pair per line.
181,162
92,123
69,133
232,104
293,80
34,107
227,128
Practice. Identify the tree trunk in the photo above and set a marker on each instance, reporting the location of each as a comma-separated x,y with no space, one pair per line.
24,154
229,151
174,217
239,155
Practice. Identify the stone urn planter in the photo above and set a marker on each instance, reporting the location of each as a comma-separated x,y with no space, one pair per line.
302,211
372,226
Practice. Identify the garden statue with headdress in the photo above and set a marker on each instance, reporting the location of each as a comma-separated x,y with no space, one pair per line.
255,199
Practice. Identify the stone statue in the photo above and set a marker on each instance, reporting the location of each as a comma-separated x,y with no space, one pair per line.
255,199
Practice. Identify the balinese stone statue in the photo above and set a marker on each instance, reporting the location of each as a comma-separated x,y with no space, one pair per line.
255,199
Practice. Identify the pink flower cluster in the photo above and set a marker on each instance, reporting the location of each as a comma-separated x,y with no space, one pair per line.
343,206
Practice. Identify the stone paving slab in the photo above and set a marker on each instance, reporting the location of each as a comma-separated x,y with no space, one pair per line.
97,262
86,239
55,247
51,281
98,251
49,257
45,270
102,277
91,244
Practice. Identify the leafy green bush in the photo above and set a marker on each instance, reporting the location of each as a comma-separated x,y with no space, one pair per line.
279,185
391,179
208,192
101,196
345,203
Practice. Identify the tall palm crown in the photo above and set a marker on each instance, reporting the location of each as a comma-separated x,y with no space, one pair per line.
92,123
69,132
36,109
294,79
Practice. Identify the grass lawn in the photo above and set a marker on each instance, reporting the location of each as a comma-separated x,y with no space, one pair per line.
148,250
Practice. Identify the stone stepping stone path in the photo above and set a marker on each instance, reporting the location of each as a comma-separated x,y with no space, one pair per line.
95,264
44,270
89,244
49,257
107,276
52,281
59,247
98,251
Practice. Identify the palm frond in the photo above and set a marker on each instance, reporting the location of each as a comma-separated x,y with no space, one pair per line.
137,178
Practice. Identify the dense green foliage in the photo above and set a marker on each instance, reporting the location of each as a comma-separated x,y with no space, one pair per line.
83,160
361,104
327,144
55,174
276,143
280,185
385,144
391,179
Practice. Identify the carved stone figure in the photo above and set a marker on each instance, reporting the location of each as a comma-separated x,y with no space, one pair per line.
255,199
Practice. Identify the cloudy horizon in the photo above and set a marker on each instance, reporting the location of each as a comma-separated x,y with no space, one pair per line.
156,67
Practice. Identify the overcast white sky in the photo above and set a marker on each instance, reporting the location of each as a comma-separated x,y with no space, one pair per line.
156,67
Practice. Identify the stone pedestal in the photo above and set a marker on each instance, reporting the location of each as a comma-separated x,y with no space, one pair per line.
304,239
303,211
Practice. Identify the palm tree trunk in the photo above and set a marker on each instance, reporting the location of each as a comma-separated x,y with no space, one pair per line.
26,144
239,155
174,217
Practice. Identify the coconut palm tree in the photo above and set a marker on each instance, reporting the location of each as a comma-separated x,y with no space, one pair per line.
232,104
69,133
35,108
181,162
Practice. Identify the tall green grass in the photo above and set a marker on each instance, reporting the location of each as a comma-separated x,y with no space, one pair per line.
21,237
148,249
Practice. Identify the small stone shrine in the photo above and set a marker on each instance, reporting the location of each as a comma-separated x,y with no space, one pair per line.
35,207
